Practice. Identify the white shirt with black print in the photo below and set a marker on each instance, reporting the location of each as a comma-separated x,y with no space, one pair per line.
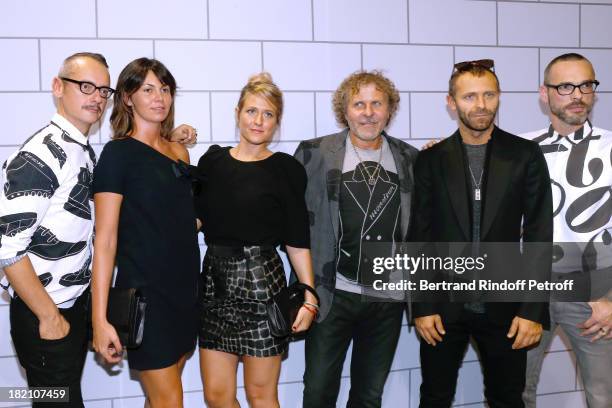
46,211
580,167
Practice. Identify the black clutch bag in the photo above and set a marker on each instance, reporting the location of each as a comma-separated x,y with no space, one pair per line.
126,312
283,308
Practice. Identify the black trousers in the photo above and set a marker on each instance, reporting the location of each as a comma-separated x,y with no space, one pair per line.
374,328
503,368
51,363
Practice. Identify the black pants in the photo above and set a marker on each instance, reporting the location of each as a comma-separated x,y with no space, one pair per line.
503,368
374,328
51,363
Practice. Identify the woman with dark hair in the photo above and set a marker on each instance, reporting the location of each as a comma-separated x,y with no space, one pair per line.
251,201
145,220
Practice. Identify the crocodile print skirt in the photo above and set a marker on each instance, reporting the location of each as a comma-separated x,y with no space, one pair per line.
237,284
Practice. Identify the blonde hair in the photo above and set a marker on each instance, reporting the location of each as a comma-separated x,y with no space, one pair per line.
351,86
262,85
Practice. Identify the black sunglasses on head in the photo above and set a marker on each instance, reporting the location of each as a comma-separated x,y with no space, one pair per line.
487,64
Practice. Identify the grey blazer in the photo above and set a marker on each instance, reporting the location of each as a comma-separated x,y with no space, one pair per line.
323,158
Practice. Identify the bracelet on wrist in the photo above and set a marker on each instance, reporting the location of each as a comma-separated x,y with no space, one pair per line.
312,305
310,309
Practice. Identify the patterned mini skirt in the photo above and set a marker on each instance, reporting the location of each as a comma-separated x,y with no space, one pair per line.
238,282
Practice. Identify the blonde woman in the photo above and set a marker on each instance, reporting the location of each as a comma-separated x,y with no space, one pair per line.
252,200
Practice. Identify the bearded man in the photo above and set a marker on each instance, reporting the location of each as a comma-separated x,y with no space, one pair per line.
480,186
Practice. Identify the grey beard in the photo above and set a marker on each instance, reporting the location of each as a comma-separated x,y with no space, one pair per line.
571,119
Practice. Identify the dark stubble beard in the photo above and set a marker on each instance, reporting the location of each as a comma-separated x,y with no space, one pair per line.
464,118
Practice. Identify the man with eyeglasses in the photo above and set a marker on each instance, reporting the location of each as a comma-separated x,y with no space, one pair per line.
480,186
579,160
46,230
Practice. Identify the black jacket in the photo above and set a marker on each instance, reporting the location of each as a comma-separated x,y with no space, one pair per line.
517,201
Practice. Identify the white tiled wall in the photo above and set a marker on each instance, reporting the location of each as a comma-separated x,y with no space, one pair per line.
309,46
551,25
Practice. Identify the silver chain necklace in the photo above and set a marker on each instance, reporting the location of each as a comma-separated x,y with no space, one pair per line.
476,185
371,177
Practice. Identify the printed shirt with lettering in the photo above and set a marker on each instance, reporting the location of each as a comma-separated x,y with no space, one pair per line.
46,211
581,175
369,214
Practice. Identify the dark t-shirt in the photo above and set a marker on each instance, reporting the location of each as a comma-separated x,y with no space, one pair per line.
476,155
252,203
476,160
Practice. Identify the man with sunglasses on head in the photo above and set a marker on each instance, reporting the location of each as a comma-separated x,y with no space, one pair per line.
46,230
481,185
579,160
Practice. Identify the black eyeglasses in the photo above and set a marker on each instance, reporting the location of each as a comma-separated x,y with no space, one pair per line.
88,88
567,88
487,64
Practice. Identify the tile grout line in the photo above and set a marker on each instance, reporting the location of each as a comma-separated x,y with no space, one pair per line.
276,41
579,25
408,21
96,17
186,91
539,66
261,51
576,2
410,384
361,54
312,17
39,67
208,19
316,129
409,115
496,24
210,117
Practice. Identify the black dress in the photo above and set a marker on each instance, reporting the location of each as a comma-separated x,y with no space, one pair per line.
157,248
247,209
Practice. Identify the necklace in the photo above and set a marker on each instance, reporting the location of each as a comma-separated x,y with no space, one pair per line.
477,185
371,177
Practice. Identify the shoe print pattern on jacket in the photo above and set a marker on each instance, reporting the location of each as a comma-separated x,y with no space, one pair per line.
27,174
80,277
13,224
45,279
55,150
46,245
78,200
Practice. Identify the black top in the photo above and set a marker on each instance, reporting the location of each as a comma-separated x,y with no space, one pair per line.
157,248
252,203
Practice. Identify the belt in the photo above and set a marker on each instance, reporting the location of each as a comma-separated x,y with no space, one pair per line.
234,251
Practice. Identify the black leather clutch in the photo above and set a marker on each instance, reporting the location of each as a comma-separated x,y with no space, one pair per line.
283,308
126,312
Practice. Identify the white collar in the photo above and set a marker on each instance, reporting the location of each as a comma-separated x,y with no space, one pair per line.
68,128
585,131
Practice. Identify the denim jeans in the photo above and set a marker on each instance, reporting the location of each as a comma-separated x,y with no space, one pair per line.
594,359
374,328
